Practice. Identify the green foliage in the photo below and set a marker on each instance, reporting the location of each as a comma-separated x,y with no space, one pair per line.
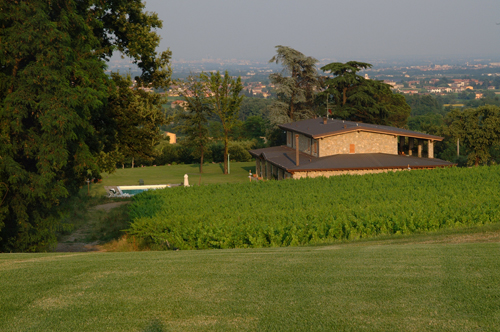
193,123
422,105
54,98
238,150
225,101
419,122
295,86
358,99
251,106
137,116
479,129
316,210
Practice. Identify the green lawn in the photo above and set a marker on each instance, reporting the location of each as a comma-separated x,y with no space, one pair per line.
364,286
212,173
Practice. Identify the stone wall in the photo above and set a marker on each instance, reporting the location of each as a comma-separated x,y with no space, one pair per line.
364,142
300,175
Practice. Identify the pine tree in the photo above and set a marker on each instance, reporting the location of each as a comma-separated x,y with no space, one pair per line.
295,86
358,99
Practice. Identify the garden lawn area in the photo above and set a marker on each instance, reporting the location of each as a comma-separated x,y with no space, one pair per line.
212,173
348,287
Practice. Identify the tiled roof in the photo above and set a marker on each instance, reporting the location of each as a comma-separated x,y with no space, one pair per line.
284,157
316,129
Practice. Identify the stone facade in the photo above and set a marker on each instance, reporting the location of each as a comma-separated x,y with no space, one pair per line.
360,142
315,174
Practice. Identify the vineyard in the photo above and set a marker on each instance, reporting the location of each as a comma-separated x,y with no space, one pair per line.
313,211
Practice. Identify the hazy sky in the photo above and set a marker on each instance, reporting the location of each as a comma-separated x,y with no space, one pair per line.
348,29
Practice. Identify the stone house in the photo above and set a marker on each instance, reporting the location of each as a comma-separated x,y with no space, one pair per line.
326,147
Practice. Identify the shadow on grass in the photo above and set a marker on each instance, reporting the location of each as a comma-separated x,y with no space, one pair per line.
249,168
155,326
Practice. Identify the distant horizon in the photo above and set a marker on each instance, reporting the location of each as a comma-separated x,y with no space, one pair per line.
343,30
116,59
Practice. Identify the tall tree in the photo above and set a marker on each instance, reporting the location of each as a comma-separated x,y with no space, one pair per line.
359,99
225,103
478,128
137,116
54,93
295,86
194,122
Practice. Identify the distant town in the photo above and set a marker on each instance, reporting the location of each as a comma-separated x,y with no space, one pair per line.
438,77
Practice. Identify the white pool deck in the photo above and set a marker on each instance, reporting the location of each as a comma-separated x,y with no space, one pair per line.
144,187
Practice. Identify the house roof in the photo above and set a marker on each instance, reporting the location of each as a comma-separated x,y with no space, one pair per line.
284,157
316,129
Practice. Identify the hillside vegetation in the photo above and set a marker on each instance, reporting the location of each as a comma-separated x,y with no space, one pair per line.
314,211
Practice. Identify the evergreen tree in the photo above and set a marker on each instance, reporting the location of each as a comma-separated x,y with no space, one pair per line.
358,99
295,86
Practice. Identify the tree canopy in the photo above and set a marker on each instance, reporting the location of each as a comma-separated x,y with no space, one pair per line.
194,122
56,112
225,101
296,86
358,99
478,128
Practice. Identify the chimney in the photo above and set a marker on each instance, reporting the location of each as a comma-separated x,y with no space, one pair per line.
325,120
296,150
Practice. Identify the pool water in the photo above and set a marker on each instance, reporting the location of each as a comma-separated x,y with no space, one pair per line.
133,191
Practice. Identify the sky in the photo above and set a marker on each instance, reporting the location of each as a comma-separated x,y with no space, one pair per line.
332,29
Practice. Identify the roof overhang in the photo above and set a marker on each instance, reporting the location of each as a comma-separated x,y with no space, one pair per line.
364,129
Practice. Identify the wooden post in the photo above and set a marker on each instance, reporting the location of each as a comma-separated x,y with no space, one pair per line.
419,148
297,150
410,146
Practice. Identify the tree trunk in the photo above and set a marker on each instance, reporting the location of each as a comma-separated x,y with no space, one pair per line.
201,160
226,150
477,161
344,99
201,148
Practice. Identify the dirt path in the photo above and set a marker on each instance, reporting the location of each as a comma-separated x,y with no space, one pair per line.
75,242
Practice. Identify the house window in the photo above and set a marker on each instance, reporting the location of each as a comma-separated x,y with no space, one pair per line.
315,146
351,148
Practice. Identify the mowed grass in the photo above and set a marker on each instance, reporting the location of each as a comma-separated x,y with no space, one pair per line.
366,286
212,173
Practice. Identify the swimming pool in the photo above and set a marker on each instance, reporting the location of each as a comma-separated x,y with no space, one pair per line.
133,190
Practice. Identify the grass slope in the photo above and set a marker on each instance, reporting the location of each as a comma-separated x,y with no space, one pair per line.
350,287
212,173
